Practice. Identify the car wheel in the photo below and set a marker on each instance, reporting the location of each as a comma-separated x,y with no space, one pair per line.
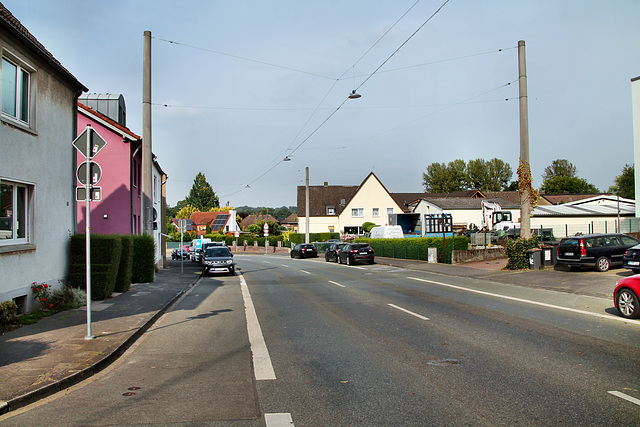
636,270
349,262
627,303
337,259
603,263
291,254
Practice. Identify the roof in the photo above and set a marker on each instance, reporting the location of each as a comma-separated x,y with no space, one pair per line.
323,196
109,123
461,203
556,199
598,205
13,25
204,218
291,219
253,219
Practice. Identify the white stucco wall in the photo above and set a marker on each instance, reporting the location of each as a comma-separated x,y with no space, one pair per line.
45,160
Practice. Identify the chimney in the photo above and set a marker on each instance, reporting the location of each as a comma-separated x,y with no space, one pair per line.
326,184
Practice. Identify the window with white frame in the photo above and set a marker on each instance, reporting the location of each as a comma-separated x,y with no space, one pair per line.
14,212
357,212
389,211
375,212
16,90
331,210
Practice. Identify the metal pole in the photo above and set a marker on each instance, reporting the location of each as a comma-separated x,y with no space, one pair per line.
88,187
306,210
525,202
147,155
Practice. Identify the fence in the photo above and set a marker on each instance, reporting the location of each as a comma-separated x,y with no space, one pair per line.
626,225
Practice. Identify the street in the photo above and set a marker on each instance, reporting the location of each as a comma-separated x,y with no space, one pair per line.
322,344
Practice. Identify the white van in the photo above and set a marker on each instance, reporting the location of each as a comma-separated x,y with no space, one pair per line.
196,248
387,232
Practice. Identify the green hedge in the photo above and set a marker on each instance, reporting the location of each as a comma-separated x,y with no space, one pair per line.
123,279
517,252
106,251
417,248
143,268
297,238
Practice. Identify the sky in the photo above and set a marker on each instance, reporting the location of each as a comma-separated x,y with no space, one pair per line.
238,86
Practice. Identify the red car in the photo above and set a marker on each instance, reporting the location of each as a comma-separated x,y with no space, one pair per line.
625,297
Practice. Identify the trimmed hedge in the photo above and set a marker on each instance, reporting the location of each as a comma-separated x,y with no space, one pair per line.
297,238
123,279
143,269
105,260
417,248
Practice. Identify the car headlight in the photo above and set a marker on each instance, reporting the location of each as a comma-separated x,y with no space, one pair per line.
229,261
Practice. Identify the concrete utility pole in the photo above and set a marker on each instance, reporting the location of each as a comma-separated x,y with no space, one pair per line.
306,210
147,155
525,199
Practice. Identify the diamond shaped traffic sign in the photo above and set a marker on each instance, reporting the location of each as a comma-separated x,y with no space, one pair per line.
96,143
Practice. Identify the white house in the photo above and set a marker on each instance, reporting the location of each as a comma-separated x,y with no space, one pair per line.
37,164
344,209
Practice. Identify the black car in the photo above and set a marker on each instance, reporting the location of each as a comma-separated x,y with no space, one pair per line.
218,259
594,250
631,259
353,253
179,254
304,250
332,252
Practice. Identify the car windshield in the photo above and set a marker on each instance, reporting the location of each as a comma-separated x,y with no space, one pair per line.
218,252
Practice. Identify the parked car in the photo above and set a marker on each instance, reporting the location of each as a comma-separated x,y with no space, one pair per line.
209,245
194,254
631,259
179,254
625,297
218,259
353,253
594,250
304,250
332,252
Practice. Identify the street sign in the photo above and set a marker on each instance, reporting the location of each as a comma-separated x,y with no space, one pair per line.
266,229
237,233
96,173
182,225
97,143
81,194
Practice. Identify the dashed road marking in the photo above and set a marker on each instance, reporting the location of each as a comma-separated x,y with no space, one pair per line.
419,316
625,397
337,284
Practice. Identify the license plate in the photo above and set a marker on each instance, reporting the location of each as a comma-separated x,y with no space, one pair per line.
634,263
363,253
219,269
568,253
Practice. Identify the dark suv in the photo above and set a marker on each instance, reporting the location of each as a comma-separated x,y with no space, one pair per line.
594,250
355,252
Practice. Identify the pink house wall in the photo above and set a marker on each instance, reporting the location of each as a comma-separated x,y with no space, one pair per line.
118,209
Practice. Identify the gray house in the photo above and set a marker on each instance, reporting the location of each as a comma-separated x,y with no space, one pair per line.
37,161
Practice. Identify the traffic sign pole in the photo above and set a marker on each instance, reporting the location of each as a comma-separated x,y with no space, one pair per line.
89,335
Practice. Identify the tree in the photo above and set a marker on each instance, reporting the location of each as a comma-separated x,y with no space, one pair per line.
492,175
367,226
572,185
559,167
201,195
186,212
625,184
441,178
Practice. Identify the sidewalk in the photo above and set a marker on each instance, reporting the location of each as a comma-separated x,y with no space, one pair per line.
40,359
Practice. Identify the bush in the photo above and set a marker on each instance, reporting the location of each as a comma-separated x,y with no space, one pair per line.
105,261
67,298
144,259
8,312
297,238
517,252
123,278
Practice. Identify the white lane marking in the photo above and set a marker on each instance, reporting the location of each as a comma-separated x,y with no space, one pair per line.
262,366
358,267
625,397
337,284
266,262
305,272
278,420
542,304
284,265
408,312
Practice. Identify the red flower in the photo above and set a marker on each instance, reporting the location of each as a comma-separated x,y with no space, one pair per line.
44,299
45,285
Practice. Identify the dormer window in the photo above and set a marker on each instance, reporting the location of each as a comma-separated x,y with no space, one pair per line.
331,210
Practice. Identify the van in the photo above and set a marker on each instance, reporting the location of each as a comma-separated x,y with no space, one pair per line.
196,248
387,232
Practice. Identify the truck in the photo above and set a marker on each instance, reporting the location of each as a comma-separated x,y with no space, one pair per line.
387,232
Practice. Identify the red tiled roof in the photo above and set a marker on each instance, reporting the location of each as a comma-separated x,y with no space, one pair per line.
89,110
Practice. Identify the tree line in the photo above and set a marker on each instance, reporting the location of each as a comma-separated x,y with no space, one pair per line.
495,175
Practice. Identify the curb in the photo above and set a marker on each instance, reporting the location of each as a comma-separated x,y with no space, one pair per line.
77,377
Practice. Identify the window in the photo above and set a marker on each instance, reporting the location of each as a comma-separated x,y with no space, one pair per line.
357,212
389,211
375,212
16,82
331,210
14,213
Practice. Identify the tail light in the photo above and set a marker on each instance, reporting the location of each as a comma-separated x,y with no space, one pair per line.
583,251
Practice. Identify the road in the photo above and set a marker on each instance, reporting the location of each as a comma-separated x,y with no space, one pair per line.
322,344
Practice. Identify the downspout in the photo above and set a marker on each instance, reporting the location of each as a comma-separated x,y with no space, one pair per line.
132,173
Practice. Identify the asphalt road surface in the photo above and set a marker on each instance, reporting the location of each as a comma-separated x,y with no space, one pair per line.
320,344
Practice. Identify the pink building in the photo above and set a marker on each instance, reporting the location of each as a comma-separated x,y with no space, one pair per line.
120,160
